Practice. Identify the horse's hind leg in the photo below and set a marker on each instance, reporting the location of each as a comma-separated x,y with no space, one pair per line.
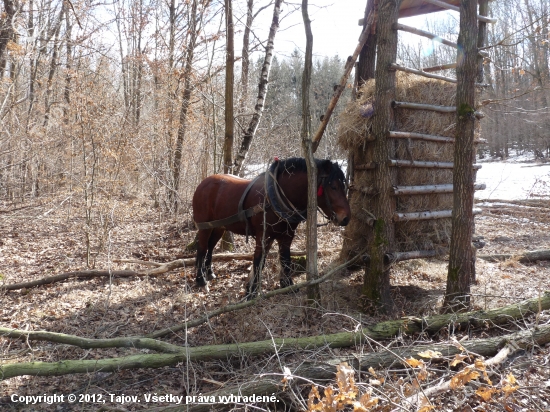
215,237
202,252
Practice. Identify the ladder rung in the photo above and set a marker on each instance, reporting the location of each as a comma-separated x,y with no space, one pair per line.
418,32
426,137
421,136
427,165
427,215
422,73
432,107
440,67
429,189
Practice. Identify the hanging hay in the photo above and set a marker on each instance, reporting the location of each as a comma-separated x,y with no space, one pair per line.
354,134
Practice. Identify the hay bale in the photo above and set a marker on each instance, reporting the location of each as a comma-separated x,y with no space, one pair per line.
354,134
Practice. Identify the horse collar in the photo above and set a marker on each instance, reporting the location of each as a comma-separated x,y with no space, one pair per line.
280,204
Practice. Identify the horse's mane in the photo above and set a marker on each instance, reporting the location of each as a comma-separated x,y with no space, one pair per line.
298,164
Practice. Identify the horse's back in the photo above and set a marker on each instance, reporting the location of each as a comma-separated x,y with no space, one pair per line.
217,197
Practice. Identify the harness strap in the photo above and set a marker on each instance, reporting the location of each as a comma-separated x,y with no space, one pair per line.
242,215
290,214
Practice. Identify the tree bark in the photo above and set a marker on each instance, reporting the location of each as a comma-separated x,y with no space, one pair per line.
262,91
376,284
313,292
367,57
457,295
7,30
185,103
229,83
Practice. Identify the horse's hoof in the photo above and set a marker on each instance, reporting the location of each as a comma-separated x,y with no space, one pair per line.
210,276
250,296
201,282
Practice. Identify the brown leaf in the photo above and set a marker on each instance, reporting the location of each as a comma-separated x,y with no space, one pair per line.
429,354
415,363
486,393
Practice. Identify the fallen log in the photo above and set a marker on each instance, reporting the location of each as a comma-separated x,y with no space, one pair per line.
326,370
160,268
526,257
380,331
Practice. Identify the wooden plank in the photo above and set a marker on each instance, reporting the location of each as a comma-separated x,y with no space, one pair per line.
418,7
423,33
396,66
422,106
423,164
429,189
422,73
421,136
415,254
425,137
412,163
440,67
432,107
447,6
428,215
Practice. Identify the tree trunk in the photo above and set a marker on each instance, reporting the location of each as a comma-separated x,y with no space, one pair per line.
7,31
313,292
262,91
457,295
367,58
227,243
376,285
185,103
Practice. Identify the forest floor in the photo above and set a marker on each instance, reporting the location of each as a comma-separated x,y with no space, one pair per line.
44,239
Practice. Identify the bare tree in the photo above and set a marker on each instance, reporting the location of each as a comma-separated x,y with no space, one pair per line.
262,90
457,295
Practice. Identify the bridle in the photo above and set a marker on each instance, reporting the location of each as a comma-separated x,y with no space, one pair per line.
321,191
283,207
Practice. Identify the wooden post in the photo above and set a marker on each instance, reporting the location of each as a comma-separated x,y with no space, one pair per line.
457,295
376,284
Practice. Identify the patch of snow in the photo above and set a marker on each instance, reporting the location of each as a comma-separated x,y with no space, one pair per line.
514,181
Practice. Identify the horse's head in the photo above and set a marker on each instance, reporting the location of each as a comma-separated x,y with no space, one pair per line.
331,192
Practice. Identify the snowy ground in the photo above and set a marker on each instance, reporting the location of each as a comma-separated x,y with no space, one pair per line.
510,180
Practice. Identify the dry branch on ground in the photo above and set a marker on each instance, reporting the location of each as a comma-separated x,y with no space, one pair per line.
174,354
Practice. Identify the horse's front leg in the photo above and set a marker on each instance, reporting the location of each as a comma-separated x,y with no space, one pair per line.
260,252
285,278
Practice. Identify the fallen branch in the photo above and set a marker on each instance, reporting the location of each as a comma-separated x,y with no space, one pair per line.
137,342
527,257
160,268
221,352
326,370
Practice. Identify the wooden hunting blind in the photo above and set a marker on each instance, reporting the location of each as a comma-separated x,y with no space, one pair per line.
404,186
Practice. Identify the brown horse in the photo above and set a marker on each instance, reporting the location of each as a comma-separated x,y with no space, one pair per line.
276,199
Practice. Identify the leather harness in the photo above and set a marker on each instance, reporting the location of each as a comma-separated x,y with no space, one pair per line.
275,201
